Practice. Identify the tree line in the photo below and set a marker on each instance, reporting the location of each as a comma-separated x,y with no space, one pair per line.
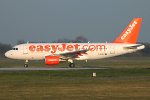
3,49
79,39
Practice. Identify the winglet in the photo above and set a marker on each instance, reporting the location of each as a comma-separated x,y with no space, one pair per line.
130,34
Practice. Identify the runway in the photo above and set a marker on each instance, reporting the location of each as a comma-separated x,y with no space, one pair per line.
32,69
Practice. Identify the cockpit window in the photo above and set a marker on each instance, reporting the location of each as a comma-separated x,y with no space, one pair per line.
14,49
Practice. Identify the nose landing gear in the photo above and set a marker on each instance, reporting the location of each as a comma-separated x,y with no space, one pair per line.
26,64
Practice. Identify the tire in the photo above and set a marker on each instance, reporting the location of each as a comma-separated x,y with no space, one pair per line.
71,65
26,65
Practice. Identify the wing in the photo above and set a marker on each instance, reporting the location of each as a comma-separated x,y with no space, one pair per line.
72,55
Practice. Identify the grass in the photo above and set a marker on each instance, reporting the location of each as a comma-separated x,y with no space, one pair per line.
128,78
71,74
78,90
75,84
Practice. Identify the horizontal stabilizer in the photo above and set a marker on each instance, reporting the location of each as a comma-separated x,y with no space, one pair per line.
133,47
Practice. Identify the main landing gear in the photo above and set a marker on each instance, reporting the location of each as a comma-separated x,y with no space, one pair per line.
71,63
26,64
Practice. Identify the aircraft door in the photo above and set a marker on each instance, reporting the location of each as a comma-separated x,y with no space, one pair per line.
25,49
112,49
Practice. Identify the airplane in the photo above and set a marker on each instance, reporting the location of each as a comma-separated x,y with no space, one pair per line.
54,53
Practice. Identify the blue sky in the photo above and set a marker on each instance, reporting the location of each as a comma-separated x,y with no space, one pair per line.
49,20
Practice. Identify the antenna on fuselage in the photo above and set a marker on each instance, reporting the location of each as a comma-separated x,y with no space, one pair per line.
89,41
28,42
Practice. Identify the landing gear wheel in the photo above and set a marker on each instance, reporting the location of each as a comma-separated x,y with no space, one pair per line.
26,65
71,65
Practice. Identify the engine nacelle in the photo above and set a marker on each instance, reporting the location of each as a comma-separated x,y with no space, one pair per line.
52,60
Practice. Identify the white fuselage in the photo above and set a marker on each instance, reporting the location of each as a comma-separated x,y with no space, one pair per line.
38,51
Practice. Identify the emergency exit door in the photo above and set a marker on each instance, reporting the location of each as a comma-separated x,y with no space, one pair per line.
112,49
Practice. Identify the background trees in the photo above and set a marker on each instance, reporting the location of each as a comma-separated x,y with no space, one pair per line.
78,39
3,49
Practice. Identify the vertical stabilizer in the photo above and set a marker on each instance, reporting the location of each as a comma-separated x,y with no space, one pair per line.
130,34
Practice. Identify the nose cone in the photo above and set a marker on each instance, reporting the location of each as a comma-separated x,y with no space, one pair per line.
7,54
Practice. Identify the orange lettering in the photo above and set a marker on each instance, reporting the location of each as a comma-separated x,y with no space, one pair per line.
63,48
47,48
39,48
76,47
32,48
84,46
54,48
101,46
93,48
70,48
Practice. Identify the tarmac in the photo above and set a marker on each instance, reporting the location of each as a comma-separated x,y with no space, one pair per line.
32,69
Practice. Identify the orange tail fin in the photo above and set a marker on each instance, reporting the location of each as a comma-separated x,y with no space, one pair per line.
130,34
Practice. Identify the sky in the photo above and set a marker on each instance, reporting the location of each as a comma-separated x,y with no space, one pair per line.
48,20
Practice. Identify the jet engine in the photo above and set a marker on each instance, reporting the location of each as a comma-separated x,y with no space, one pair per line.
53,60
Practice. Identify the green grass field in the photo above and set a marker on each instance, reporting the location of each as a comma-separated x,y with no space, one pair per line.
128,78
